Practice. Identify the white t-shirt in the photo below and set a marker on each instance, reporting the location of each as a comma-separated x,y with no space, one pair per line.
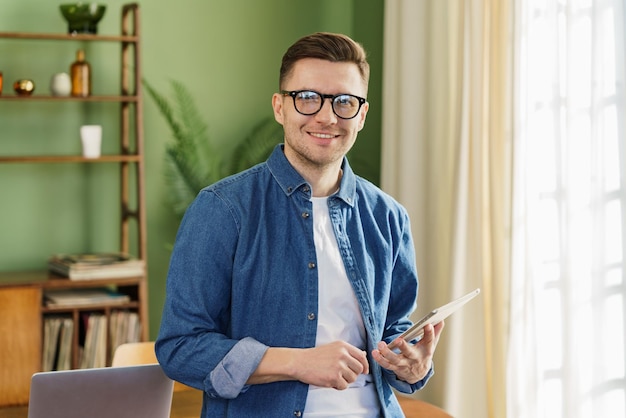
339,318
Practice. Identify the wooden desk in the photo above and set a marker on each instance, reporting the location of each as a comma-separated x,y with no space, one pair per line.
185,404
188,403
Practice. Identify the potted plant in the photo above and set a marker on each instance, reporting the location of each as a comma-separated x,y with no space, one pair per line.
192,161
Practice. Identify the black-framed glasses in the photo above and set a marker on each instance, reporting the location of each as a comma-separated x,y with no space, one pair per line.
309,102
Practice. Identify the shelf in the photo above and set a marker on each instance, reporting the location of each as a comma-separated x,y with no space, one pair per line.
46,280
69,37
49,281
71,159
101,98
22,309
107,306
56,282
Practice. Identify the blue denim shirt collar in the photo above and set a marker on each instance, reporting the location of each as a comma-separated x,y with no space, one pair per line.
290,180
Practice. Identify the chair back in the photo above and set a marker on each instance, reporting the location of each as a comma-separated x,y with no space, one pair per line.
130,354
416,408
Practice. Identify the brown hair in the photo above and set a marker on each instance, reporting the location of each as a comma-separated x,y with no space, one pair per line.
327,46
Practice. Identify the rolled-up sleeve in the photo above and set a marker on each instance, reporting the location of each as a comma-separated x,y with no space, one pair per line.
229,377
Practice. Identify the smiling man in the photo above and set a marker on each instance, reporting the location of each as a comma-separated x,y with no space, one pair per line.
288,280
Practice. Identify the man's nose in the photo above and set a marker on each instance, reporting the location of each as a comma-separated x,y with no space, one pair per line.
326,112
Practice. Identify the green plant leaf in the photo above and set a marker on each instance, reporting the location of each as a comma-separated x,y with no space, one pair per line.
258,145
192,162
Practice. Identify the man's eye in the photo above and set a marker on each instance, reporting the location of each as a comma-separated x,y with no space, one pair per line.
346,101
308,95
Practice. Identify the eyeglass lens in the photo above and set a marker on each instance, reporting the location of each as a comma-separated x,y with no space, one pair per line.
345,106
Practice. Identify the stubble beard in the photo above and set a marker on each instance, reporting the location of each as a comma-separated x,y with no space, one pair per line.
311,160
316,158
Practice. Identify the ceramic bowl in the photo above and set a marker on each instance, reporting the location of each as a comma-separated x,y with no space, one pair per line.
24,87
82,17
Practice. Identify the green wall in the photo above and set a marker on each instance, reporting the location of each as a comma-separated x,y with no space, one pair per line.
227,52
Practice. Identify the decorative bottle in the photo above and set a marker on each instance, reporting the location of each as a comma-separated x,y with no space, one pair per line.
80,73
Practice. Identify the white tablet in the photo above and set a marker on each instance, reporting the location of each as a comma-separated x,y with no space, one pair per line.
435,316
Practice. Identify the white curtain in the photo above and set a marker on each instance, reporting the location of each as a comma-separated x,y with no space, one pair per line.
446,157
568,317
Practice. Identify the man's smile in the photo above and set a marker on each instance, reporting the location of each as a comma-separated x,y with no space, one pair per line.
323,135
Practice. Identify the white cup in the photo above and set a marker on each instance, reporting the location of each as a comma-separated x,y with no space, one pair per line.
91,138
61,84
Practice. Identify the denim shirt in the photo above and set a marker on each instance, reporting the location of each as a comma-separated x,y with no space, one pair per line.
243,278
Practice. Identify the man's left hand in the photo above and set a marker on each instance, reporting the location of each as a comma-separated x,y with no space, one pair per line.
413,361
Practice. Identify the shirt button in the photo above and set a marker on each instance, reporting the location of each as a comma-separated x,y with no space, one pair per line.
310,316
297,413
306,189
311,265
305,215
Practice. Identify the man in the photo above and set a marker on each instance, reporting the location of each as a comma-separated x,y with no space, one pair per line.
288,280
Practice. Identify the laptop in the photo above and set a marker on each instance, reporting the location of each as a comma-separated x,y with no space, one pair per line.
141,391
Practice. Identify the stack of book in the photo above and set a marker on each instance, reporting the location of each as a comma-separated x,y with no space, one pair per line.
96,330
124,327
57,343
96,266
94,349
121,327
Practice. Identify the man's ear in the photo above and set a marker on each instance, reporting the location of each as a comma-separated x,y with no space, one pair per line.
363,114
277,105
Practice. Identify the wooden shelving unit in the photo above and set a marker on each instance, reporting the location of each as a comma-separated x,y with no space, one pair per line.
22,310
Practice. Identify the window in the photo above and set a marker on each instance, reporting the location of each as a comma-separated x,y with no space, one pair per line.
568,318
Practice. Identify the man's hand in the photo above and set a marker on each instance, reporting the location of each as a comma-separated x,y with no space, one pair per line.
413,362
334,365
